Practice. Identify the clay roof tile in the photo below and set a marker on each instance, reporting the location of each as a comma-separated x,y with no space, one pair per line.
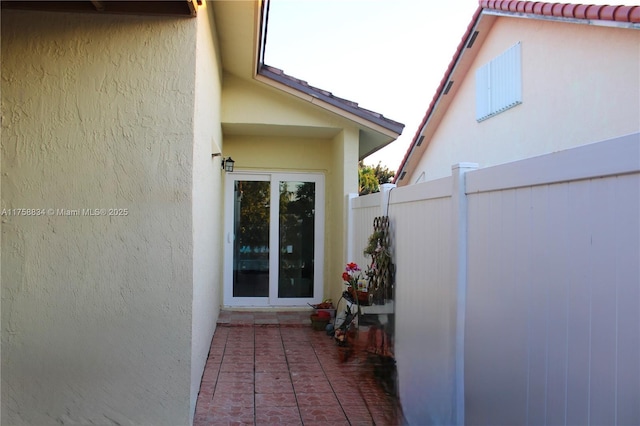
537,7
557,8
593,12
622,13
547,9
569,10
608,12
581,11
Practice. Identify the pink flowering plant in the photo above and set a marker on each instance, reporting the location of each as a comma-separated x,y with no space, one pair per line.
351,275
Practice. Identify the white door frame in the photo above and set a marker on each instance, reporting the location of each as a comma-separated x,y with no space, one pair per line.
275,178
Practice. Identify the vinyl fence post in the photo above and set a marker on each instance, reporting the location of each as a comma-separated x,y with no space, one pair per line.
385,190
459,237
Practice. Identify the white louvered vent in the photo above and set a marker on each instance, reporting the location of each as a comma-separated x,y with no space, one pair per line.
499,84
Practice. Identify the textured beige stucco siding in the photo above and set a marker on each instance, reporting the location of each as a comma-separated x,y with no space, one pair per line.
207,197
97,113
580,85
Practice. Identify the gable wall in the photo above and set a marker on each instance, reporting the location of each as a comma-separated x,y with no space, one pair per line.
96,310
580,85
254,102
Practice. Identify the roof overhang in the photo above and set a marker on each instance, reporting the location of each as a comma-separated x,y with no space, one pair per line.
186,8
242,29
375,131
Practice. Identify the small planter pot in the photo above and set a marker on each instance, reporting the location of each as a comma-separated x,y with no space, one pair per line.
319,323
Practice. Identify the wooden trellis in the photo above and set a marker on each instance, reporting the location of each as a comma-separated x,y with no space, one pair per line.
381,278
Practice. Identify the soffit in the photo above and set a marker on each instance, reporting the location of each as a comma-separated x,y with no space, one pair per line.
185,8
237,25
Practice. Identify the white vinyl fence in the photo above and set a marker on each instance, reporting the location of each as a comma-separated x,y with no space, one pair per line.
518,289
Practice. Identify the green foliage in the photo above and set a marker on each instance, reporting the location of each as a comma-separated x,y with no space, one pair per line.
383,174
367,181
370,178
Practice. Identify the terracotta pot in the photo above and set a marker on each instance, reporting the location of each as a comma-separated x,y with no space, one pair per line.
363,297
319,323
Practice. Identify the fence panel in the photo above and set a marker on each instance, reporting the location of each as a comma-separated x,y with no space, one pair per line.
552,322
425,318
552,318
425,315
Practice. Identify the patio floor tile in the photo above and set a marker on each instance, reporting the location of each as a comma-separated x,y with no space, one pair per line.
325,414
233,387
231,414
316,399
271,368
283,399
310,387
224,399
236,376
267,366
278,416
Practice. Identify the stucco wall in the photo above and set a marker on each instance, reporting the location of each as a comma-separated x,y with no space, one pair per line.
345,180
294,154
97,113
207,197
256,103
579,85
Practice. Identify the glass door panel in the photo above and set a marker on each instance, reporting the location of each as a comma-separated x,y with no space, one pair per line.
274,237
251,242
296,244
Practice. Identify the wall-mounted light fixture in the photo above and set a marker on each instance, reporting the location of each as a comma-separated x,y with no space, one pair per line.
226,163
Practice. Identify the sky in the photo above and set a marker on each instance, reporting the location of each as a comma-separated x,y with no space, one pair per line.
387,55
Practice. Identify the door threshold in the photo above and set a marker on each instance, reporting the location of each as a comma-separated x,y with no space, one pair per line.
267,308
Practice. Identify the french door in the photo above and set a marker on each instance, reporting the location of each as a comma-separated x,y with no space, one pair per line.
274,239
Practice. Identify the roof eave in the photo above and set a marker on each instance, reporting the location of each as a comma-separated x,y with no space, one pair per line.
467,40
326,100
274,77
